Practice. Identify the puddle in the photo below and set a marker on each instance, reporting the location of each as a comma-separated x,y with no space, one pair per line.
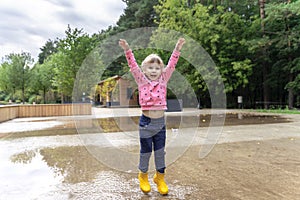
113,124
26,176
70,173
121,124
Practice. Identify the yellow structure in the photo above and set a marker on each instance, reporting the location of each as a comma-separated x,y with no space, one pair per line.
117,91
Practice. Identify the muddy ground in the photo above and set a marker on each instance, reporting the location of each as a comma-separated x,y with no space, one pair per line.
259,161
245,170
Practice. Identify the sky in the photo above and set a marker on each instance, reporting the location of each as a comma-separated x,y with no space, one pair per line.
26,25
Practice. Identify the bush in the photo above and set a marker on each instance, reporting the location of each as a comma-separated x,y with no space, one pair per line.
35,98
4,103
2,95
7,97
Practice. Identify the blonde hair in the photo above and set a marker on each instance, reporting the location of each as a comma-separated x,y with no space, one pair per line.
152,58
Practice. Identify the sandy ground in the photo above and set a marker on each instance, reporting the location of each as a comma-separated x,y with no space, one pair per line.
259,161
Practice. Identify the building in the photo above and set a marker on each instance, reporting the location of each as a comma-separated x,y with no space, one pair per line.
117,91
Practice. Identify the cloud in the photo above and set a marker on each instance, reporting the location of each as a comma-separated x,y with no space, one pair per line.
27,25
61,3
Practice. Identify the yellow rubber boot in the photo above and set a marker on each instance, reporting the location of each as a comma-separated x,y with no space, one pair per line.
144,183
162,187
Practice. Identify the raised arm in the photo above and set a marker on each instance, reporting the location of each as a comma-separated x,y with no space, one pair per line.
176,53
123,43
134,68
173,59
179,44
128,54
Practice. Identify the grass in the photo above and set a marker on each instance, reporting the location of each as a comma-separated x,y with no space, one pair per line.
279,111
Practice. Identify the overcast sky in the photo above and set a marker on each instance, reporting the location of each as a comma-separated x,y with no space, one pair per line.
26,25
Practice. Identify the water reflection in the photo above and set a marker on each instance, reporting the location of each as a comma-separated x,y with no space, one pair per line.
70,172
72,164
26,176
23,158
128,124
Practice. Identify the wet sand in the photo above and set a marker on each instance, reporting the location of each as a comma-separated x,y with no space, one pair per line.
258,161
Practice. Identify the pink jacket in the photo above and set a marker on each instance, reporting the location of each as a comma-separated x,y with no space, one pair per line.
152,94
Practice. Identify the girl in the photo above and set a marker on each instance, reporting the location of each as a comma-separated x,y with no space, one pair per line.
152,81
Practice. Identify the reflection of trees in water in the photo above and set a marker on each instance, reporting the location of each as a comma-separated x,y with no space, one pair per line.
75,163
118,124
23,158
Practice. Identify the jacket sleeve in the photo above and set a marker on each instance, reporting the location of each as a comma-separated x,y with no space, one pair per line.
171,65
134,68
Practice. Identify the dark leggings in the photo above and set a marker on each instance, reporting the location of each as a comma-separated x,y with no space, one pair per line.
152,137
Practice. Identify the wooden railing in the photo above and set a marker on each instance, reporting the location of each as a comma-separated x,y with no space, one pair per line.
43,110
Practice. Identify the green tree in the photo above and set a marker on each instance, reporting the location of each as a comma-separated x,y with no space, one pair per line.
48,49
283,30
72,50
275,47
42,79
220,32
3,77
62,77
138,13
17,72
4,85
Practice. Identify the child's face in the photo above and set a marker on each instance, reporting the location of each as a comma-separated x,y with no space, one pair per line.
153,71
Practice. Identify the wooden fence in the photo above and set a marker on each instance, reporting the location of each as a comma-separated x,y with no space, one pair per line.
43,110
8,113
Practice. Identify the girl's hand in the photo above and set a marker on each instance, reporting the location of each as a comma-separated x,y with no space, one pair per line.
123,43
179,44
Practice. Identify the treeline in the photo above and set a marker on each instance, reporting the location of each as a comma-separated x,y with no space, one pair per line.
255,44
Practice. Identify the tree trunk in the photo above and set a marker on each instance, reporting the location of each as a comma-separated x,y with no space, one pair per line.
23,84
291,94
62,98
291,76
13,94
44,95
23,95
264,54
